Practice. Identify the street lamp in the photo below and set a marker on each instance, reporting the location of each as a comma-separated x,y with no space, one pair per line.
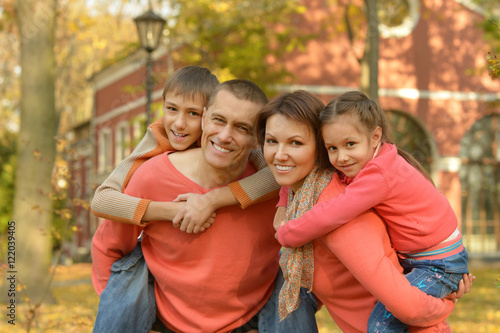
150,28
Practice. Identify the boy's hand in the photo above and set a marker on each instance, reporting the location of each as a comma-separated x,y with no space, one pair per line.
196,215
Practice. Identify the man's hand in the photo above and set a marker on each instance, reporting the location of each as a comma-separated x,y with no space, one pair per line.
464,287
196,215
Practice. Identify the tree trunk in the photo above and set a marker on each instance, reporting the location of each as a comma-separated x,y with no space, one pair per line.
369,63
36,146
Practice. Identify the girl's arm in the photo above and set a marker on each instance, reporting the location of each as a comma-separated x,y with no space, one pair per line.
363,246
256,188
369,189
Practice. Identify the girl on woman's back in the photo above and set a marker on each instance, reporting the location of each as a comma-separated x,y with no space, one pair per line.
421,222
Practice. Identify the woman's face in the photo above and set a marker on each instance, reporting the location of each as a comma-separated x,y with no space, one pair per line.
289,150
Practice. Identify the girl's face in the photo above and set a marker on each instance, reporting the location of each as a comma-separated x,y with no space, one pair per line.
349,144
289,150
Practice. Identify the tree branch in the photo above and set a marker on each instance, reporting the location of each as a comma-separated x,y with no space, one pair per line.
350,33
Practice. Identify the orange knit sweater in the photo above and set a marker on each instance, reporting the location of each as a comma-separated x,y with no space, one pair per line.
210,282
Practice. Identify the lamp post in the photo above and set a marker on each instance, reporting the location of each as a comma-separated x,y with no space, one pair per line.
149,27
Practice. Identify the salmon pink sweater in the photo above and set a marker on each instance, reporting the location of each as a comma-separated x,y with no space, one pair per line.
354,266
215,281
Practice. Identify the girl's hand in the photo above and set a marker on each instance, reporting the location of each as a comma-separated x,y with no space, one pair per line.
197,215
464,287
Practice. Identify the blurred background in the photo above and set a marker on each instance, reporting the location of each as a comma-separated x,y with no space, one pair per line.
77,88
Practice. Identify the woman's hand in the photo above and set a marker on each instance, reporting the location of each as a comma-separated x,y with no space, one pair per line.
464,287
279,217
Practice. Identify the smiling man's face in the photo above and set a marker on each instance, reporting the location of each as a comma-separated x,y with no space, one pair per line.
229,131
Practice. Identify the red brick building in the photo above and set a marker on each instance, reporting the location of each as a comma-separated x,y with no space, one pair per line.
444,107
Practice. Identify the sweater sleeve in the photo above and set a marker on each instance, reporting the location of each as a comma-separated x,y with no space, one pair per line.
367,190
260,186
109,202
360,246
283,197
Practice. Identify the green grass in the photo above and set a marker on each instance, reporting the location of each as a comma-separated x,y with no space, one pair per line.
478,311
74,309
76,306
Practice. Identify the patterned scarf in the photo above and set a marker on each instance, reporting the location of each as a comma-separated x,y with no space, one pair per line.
297,263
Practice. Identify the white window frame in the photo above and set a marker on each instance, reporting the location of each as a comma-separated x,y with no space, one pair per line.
122,141
138,133
406,27
105,151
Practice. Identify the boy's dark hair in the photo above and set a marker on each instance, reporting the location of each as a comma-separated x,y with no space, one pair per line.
191,81
242,89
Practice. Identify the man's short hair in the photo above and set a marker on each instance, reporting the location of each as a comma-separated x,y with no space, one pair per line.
192,82
241,89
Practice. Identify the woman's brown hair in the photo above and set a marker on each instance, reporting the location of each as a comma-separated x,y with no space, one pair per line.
301,106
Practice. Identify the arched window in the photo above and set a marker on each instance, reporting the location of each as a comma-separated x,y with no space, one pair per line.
410,136
479,179
397,18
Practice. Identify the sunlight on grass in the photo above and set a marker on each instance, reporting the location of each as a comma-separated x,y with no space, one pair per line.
74,309
325,322
76,306
478,311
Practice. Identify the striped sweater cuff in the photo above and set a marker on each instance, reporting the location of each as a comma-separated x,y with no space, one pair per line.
140,211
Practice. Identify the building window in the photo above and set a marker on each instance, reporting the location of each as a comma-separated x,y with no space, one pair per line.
480,183
122,141
138,129
88,190
105,151
410,136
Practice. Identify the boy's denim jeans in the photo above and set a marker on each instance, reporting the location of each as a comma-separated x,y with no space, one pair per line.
438,278
302,320
127,303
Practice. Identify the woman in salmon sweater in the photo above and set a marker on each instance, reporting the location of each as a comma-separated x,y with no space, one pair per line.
349,268
420,221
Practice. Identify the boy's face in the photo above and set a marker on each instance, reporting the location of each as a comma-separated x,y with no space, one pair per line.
182,120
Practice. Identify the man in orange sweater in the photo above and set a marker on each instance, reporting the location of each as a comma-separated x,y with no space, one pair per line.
219,280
